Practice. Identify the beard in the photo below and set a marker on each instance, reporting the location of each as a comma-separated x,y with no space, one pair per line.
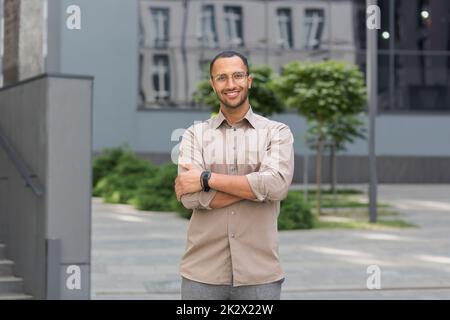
237,104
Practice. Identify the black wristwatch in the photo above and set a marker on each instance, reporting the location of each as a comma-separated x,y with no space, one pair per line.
204,178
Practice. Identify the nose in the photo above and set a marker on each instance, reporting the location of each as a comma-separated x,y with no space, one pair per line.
230,84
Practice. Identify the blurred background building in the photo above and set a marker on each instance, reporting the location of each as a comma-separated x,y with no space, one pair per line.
147,57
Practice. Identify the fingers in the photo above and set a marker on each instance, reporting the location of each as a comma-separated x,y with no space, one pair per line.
178,189
186,166
178,193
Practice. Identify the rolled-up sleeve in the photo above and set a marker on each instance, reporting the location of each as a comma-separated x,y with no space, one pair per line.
275,175
190,153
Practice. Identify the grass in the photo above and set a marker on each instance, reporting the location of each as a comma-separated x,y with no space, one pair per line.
357,224
357,213
358,219
345,198
352,211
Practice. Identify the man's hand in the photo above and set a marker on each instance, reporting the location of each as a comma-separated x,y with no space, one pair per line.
187,182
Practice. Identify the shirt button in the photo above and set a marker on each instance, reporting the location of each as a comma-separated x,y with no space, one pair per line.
232,212
232,235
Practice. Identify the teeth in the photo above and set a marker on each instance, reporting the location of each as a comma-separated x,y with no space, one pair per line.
232,94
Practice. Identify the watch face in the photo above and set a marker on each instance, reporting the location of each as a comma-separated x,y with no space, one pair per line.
205,177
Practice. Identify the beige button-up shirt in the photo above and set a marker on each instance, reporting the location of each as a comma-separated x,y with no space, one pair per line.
237,244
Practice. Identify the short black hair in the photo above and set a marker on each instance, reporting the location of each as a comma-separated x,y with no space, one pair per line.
228,54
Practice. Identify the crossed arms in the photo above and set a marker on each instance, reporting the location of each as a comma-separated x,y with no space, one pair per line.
226,189
270,183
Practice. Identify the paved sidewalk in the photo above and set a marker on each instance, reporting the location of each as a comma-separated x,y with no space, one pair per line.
136,254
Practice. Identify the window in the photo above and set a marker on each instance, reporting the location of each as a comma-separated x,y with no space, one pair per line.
161,78
284,20
160,27
208,34
233,25
314,21
422,25
414,57
141,96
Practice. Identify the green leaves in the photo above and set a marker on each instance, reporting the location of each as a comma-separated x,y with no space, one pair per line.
295,213
338,132
263,98
329,95
205,96
321,90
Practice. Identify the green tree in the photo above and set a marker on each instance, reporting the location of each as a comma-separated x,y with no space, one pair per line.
321,92
263,99
340,132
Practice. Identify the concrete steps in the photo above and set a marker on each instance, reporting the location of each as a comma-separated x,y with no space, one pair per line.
15,297
6,267
11,287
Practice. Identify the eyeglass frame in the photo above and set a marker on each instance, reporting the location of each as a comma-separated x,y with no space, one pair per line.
246,74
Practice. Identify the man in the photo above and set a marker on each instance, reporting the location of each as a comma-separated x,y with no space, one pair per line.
234,169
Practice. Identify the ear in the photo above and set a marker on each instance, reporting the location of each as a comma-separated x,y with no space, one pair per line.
250,81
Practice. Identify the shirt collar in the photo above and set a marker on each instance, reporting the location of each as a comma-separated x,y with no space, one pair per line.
250,116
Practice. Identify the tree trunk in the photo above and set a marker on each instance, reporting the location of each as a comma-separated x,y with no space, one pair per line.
330,163
318,175
333,176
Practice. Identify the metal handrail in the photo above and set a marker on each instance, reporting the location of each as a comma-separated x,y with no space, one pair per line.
23,170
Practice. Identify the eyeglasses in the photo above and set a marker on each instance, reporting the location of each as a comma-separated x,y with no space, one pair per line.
237,77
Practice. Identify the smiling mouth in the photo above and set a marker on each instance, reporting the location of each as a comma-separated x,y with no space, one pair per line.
232,94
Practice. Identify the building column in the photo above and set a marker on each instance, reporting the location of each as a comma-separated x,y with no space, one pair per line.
24,39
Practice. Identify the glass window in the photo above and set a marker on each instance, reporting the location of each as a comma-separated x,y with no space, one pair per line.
422,82
233,25
284,20
422,25
160,18
314,21
141,96
208,27
161,78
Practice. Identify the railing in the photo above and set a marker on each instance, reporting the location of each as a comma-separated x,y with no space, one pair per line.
19,164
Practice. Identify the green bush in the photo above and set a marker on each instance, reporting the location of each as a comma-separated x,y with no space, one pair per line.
157,192
122,177
295,213
120,185
180,209
105,163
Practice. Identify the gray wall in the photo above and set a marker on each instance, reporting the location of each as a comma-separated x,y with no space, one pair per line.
22,214
48,122
69,169
105,47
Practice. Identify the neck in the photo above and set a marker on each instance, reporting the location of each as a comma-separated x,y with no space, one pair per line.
233,115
